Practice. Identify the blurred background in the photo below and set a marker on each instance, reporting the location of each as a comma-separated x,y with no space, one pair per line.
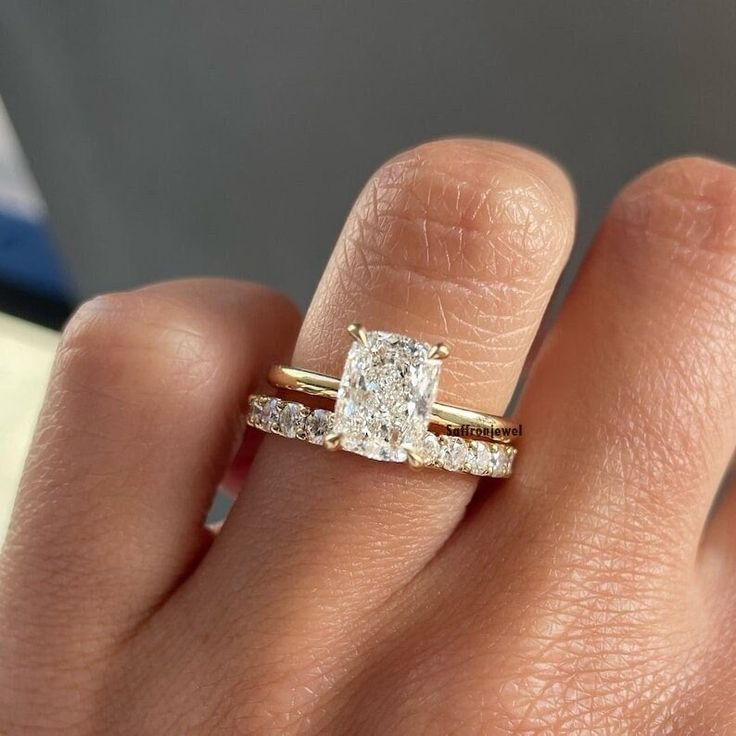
173,138
230,138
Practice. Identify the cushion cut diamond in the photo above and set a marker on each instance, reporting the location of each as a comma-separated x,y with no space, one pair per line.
385,397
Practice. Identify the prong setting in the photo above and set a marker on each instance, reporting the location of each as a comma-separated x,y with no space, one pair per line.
414,458
438,351
332,441
358,333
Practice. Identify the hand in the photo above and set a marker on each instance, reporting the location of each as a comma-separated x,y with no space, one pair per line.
589,594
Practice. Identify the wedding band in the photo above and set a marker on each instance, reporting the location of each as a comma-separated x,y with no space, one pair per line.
298,421
384,405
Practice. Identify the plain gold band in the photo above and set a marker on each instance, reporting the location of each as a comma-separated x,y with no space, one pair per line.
444,415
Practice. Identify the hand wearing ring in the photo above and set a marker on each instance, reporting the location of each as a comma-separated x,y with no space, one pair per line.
592,592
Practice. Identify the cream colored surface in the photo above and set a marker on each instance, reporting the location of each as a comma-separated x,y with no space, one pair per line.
26,354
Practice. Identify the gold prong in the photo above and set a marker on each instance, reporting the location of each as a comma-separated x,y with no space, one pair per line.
438,351
414,458
332,441
358,333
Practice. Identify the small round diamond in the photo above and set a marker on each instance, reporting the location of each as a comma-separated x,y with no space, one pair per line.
318,424
430,448
254,411
291,420
478,459
497,464
508,458
452,452
269,414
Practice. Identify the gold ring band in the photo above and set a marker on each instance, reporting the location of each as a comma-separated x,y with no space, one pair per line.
384,407
313,383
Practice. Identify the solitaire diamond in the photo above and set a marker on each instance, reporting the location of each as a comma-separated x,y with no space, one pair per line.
385,397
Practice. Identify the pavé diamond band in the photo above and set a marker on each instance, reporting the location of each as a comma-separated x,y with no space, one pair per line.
297,421
384,405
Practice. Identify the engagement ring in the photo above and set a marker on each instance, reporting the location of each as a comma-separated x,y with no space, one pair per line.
385,407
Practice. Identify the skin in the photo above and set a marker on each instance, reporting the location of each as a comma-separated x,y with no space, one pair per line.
591,593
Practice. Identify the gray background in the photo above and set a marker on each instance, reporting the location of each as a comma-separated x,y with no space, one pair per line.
174,138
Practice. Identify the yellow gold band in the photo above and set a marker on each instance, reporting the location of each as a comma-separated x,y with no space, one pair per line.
496,428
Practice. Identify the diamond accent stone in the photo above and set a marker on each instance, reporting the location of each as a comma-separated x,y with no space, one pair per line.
317,425
296,420
291,420
453,451
511,452
269,414
501,460
430,448
254,411
478,459
385,397
507,455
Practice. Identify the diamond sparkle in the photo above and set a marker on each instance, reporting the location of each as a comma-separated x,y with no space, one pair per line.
291,420
453,452
318,424
478,458
385,397
295,420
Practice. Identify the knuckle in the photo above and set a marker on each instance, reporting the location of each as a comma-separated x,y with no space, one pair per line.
469,209
685,204
454,229
113,336
93,320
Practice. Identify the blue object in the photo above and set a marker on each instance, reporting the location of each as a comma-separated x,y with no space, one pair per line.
28,258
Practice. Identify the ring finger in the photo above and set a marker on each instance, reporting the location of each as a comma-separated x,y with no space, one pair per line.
459,241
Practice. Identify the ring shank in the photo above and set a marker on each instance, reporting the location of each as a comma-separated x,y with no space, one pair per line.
445,415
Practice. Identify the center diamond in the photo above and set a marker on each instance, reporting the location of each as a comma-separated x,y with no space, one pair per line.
385,397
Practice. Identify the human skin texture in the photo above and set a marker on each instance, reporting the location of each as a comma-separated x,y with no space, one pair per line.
591,593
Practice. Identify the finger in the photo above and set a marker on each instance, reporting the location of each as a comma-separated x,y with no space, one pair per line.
716,566
639,374
241,463
456,241
717,554
141,418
